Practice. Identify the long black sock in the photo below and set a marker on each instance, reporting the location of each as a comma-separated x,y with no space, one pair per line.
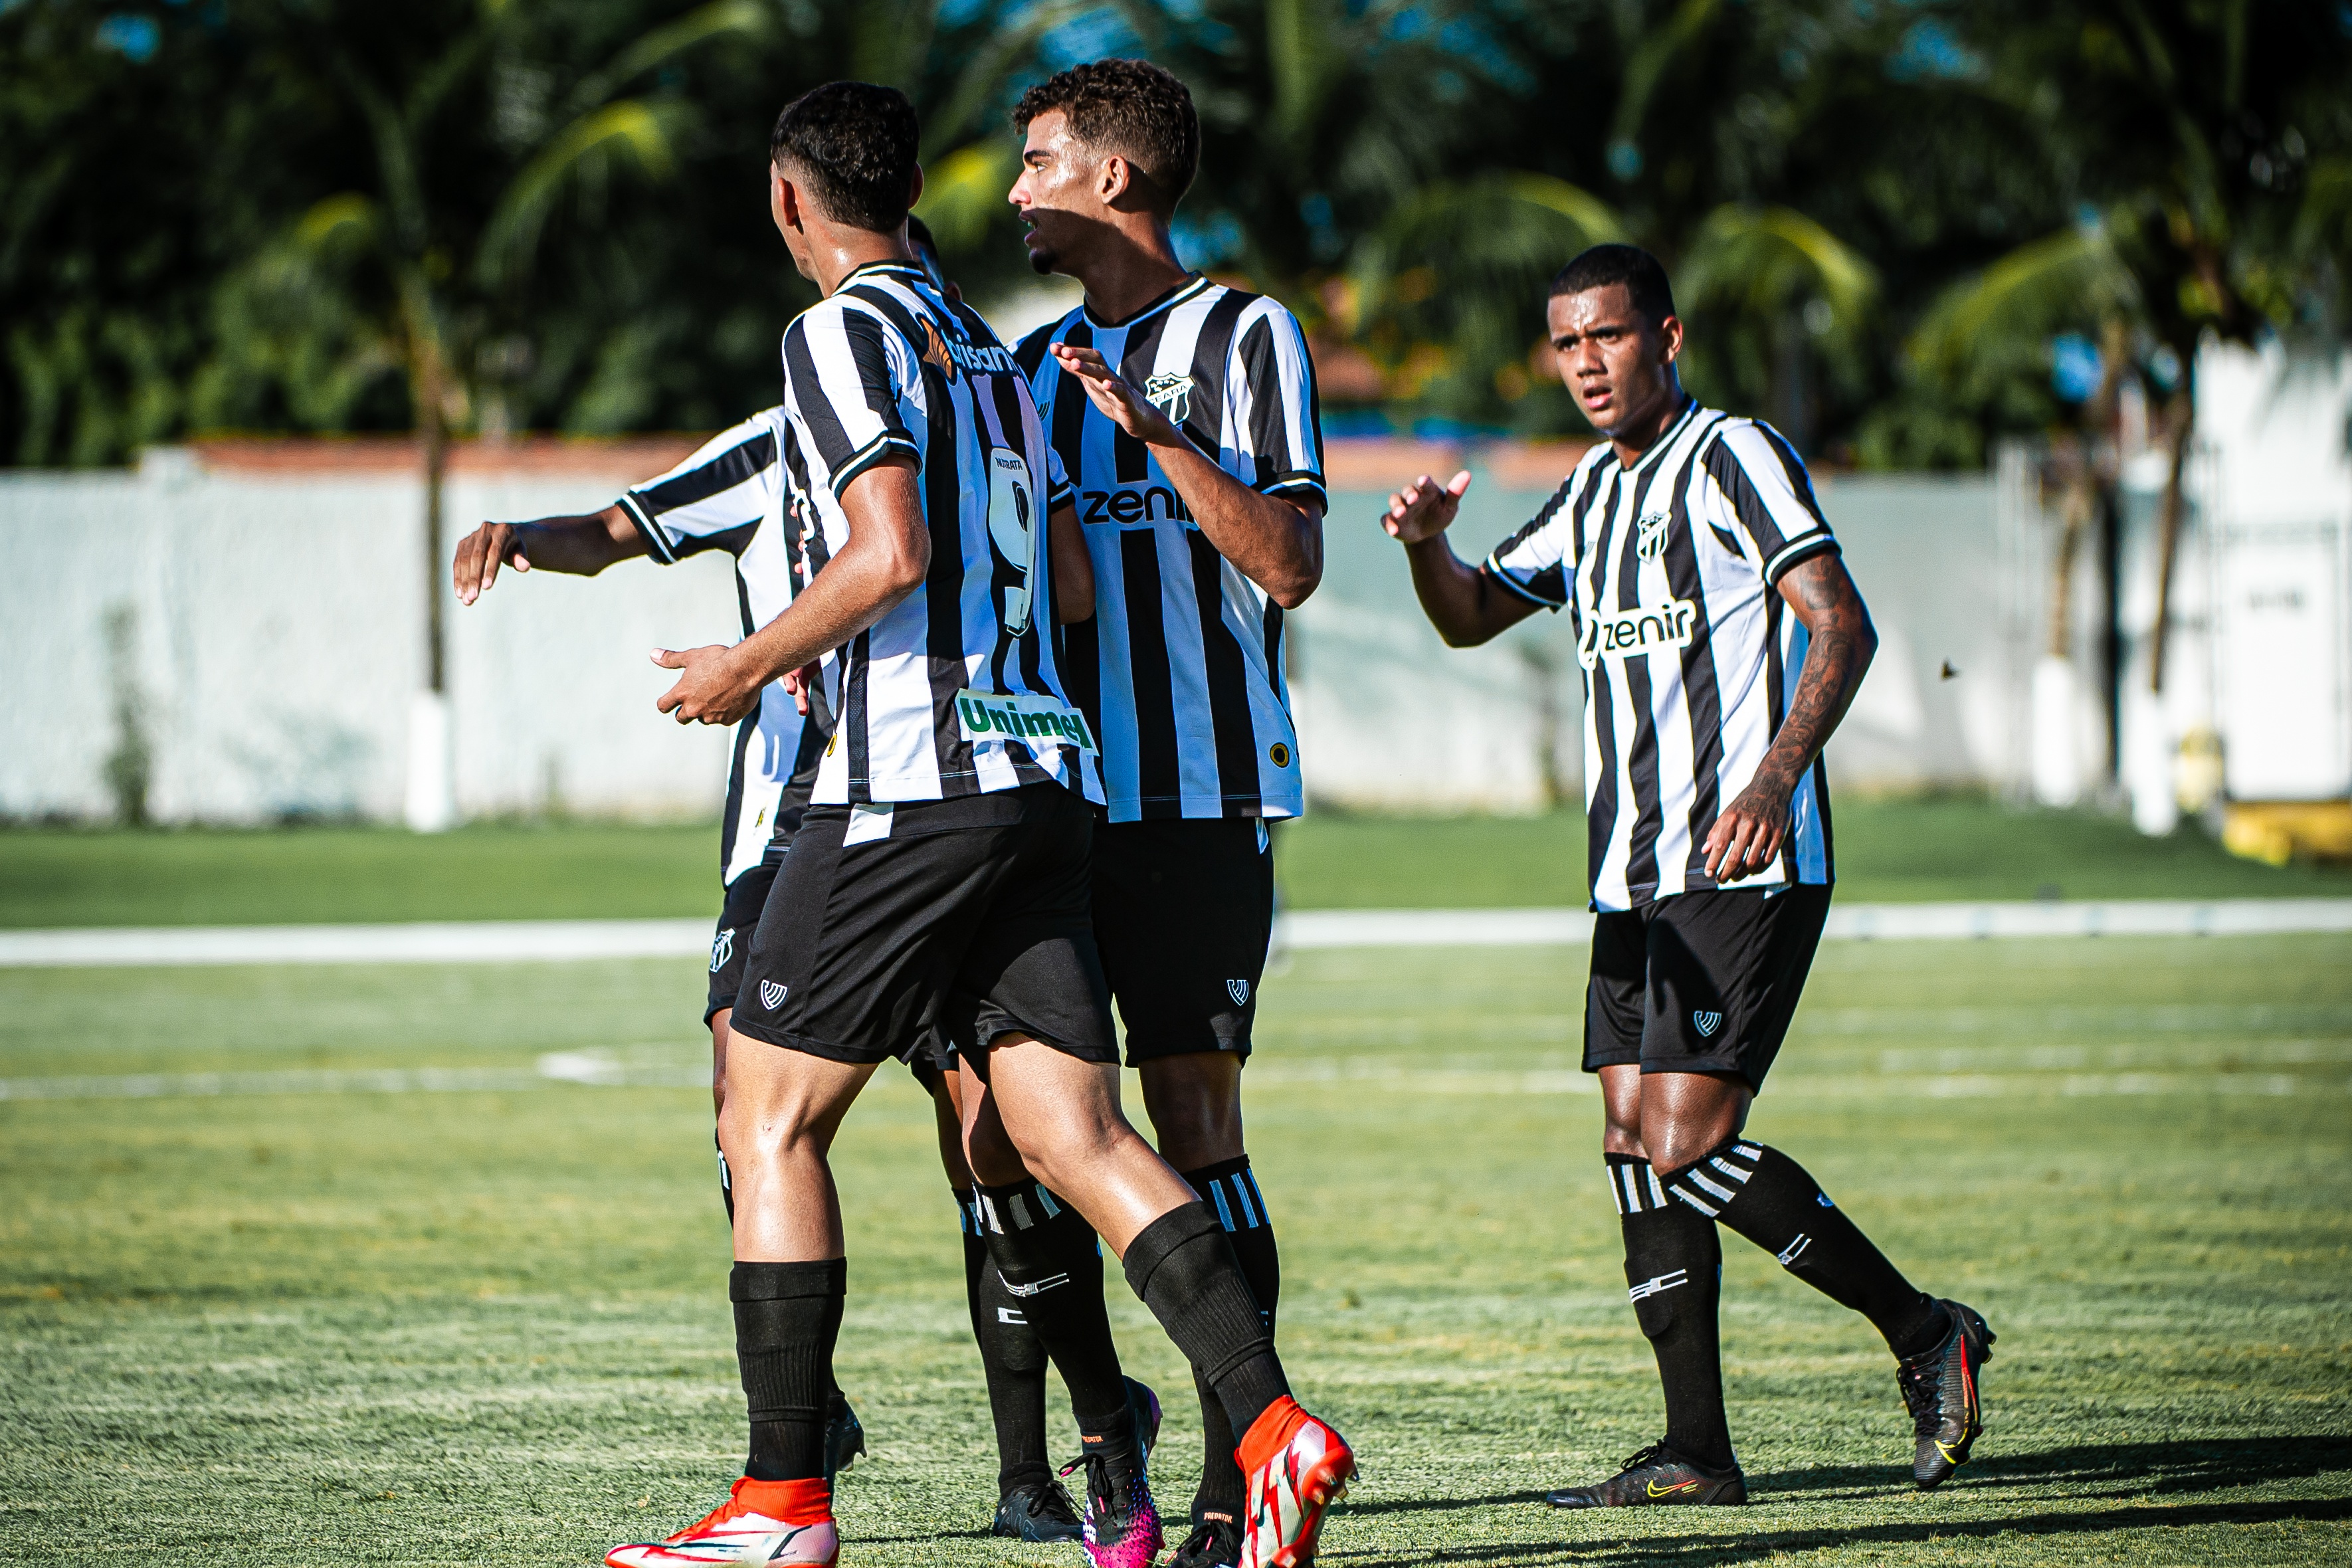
1051,1266
1185,1268
787,1317
1674,1272
1230,1188
1768,1197
1011,1356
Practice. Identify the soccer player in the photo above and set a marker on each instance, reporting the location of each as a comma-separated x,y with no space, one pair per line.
1184,412
1721,641
940,874
731,494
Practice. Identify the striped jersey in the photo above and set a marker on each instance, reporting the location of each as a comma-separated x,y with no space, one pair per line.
1669,567
1181,669
956,689
731,495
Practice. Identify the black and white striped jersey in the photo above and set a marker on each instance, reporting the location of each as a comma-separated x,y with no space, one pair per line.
1181,669
956,690
1690,656
731,495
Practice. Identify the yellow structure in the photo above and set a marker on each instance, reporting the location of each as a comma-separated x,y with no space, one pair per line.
2279,831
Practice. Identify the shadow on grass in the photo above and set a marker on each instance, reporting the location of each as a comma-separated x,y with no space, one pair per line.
2139,1469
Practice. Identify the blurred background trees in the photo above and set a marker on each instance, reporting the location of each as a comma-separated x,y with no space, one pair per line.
1897,229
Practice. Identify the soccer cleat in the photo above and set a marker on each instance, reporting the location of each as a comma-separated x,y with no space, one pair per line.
845,1438
1145,1406
1658,1475
1295,1467
748,1527
1939,1388
1039,1512
1213,1543
1120,1522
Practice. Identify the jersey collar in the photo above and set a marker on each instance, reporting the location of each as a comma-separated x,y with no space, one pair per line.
908,270
1666,436
1193,283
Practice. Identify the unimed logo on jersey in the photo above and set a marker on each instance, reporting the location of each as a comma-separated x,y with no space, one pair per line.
1628,633
997,715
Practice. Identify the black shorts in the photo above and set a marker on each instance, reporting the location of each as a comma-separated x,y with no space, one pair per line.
968,916
1702,981
1183,910
739,917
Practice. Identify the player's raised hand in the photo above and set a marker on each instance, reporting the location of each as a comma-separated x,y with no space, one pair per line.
480,555
1748,834
1121,401
711,692
1424,509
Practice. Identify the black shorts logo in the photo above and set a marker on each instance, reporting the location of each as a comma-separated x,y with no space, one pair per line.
722,948
1239,990
772,996
1708,1023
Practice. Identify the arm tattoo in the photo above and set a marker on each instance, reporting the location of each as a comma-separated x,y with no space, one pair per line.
1841,645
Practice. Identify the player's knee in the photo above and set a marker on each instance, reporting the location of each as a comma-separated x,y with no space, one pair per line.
992,1154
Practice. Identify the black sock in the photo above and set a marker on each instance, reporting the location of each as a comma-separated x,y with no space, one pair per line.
1185,1268
1052,1265
726,1179
787,1317
1767,1197
1229,1188
1674,1272
1013,1359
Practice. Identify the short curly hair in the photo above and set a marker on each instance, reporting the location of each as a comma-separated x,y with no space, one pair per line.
1132,108
854,143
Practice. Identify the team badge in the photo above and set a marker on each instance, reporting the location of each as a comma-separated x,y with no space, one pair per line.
1651,542
772,996
1171,394
722,948
1239,990
1708,1023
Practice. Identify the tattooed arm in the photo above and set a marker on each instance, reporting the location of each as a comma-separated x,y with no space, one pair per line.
1749,832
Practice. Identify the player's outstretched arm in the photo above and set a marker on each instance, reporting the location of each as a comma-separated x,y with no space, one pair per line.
1274,542
1074,569
1748,834
581,546
1460,601
885,558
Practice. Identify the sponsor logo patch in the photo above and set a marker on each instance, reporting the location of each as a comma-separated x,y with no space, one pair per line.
1239,990
1142,503
1708,1023
772,996
1631,634
1000,716
1278,755
722,948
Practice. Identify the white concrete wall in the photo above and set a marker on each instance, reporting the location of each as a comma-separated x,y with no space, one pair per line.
280,634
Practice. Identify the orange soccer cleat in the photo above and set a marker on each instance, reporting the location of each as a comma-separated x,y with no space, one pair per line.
760,1521
1296,1467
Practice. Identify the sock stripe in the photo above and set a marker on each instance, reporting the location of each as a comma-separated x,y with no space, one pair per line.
1053,1209
1713,1190
1242,1196
1616,1193
1251,1178
1217,1194
1657,1192
1734,1172
1683,1192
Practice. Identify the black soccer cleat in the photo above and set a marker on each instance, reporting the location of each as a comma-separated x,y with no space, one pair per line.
1658,1475
845,1439
1039,1512
1939,1388
1144,1405
1213,1543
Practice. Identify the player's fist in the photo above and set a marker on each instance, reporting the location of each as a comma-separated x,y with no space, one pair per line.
1424,509
480,555
711,690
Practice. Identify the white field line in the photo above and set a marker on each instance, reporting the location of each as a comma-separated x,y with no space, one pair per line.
657,1068
540,942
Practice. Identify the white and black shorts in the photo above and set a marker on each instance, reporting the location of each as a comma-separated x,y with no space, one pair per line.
968,916
1703,982
1183,910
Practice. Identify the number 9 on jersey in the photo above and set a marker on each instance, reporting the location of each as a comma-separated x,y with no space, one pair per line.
1013,524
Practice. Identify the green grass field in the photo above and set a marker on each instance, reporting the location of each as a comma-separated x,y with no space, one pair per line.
489,1327
1898,850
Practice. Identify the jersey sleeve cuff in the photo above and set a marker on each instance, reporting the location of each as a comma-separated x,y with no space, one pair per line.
658,541
1063,494
1303,485
1507,580
1798,550
883,446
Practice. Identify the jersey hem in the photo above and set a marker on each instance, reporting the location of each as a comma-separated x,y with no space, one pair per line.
1798,551
1504,578
656,541
881,446
1300,481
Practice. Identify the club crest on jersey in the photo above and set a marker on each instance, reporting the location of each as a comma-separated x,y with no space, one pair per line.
1650,542
1170,393
1239,990
772,996
722,948
1708,1023
1629,634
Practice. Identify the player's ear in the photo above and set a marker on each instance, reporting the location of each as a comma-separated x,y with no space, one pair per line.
1670,337
1113,179
915,191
